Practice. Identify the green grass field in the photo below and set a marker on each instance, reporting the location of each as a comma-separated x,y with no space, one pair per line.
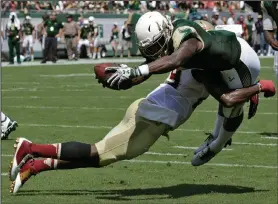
64,103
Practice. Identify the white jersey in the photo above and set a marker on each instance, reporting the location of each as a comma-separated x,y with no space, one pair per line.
174,101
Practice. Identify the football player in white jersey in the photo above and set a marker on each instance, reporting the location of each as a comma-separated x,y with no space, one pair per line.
7,126
145,120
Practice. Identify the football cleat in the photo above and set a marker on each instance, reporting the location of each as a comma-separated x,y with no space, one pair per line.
206,143
5,131
203,157
22,149
26,171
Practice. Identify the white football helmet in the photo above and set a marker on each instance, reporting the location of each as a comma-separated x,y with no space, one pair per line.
91,20
153,32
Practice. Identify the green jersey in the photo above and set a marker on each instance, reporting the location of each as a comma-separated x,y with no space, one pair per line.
115,34
12,31
85,32
27,28
271,7
221,49
52,27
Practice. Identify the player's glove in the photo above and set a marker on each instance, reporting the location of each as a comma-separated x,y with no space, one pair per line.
268,87
254,102
121,74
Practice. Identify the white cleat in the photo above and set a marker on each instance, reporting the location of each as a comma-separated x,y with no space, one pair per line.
6,131
20,157
26,172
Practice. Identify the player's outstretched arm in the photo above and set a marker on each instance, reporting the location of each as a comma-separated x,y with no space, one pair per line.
169,63
162,65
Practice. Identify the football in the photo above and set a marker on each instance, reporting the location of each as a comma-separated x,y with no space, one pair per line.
102,77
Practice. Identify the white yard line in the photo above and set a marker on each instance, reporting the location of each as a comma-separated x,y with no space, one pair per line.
184,147
165,154
237,143
188,163
254,144
103,97
7,155
271,138
4,174
109,127
89,62
115,108
207,164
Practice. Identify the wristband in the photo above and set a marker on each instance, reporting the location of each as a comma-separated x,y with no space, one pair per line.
143,70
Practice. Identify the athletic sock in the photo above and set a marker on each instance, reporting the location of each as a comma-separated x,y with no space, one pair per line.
227,130
46,150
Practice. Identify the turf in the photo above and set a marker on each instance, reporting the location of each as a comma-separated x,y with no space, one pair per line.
64,103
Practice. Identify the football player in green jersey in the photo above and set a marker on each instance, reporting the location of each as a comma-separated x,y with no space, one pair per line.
29,36
183,45
85,38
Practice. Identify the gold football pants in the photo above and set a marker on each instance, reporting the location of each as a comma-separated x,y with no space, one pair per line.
133,136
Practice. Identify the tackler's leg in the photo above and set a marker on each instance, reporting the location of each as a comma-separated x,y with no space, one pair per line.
244,75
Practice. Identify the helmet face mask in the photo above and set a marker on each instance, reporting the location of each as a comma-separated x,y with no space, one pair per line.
153,34
154,48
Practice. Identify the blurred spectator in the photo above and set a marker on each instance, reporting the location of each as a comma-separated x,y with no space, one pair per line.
41,32
231,19
224,19
194,14
218,20
115,39
123,6
13,6
245,34
4,57
59,7
250,26
95,38
53,34
84,39
205,17
28,37
71,32
260,34
14,34
126,39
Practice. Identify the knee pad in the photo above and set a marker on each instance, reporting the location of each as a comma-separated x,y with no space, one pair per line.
232,124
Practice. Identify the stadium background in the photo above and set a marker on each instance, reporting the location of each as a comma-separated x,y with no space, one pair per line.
63,102
107,13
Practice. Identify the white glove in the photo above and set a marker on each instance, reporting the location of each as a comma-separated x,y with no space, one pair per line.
121,74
